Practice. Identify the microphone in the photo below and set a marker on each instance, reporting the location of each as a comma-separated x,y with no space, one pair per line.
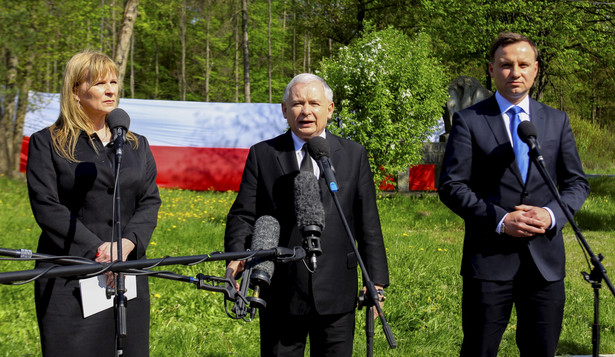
318,148
266,236
309,213
528,134
118,121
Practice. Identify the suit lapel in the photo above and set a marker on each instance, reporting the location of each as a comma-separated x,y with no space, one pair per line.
334,145
537,117
286,155
494,120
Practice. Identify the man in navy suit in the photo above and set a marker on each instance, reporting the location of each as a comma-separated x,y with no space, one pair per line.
301,302
513,251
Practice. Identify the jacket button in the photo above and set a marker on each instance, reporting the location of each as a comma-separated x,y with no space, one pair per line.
110,222
110,190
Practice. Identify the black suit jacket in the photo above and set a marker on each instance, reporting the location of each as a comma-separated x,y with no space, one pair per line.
267,189
480,181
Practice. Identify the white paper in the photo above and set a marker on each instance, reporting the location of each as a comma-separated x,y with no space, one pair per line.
94,293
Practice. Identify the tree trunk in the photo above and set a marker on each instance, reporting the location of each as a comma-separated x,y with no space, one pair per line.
488,83
132,67
123,43
48,73
156,69
207,65
236,60
102,27
283,40
113,29
182,28
269,54
22,106
308,40
246,53
8,116
307,52
294,40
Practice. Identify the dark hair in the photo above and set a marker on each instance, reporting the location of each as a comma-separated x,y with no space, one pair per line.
507,38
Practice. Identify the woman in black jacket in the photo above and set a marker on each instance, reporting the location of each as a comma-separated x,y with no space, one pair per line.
71,182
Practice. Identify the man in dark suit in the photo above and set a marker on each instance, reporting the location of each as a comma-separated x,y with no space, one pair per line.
322,303
513,249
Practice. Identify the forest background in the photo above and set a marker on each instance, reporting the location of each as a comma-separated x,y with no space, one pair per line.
247,50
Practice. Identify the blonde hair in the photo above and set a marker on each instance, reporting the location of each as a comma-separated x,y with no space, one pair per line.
87,66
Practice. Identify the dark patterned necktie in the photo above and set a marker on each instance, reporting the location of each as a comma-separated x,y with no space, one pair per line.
520,148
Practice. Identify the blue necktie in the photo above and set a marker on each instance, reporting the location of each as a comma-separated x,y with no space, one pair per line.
520,148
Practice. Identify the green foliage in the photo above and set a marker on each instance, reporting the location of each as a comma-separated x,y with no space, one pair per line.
574,39
389,93
596,146
424,246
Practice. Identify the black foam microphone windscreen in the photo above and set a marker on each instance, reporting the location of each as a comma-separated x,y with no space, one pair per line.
526,130
318,147
118,118
119,122
266,236
308,207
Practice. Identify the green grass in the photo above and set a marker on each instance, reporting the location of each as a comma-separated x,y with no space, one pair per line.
423,240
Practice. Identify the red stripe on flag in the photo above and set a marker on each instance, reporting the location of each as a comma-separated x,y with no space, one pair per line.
189,168
200,169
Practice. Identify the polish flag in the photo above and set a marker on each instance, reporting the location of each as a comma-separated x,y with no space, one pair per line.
196,145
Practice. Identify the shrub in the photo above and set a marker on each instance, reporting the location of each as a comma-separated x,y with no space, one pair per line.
389,94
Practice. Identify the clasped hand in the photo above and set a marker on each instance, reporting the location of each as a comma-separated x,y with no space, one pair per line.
103,255
527,221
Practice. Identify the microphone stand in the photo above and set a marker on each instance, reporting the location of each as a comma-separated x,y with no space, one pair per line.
120,301
372,295
598,273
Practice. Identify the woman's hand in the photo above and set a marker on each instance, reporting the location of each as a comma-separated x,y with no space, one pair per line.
103,254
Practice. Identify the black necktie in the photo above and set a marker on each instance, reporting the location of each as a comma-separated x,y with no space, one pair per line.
306,162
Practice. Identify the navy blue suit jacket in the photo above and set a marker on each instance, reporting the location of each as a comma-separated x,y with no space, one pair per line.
480,181
267,189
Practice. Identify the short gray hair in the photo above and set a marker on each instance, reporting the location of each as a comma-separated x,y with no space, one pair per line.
307,78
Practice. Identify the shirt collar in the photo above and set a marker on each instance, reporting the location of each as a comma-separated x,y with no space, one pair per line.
505,105
298,142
